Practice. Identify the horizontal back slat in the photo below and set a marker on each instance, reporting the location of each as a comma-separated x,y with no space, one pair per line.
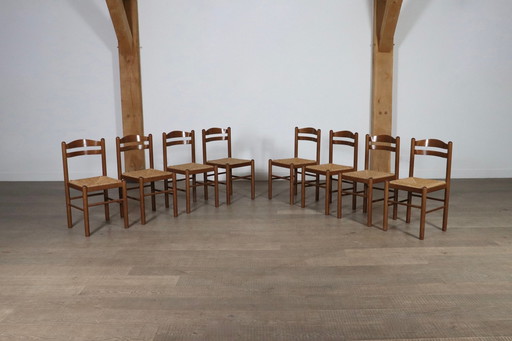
177,137
133,147
430,152
307,138
83,152
382,147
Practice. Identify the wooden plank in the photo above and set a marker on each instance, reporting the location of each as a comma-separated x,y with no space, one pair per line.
124,16
382,80
387,27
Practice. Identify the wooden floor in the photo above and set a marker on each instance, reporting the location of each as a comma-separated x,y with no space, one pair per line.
256,270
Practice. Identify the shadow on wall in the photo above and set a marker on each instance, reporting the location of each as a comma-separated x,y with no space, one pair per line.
98,20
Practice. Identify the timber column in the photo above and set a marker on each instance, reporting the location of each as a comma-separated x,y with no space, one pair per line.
385,19
125,18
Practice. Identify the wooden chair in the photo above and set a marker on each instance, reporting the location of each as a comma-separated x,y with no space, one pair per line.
295,163
190,170
229,163
330,170
145,177
98,185
371,177
420,187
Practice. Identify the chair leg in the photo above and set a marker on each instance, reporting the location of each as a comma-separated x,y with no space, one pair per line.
330,191
340,196
194,191
385,209
354,196
295,182
228,185
327,191
370,202
124,204
423,212
445,209
317,186
68,206
166,193
395,204
205,186
187,191
270,179
153,197
142,204
292,184
107,210
216,185
303,191
174,195
365,197
409,202
85,199
253,184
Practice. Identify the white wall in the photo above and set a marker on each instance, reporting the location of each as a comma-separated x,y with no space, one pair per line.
261,67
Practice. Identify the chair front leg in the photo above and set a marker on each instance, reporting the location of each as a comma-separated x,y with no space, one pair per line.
317,186
423,212
85,200
445,209
385,209
166,192
327,192
194,191
205,185
228,185
142,204
124,204
174,195
107,210
370,202
303,190
354,196
216,185
68,206
395,204
187,191
340,196
292,184
409,202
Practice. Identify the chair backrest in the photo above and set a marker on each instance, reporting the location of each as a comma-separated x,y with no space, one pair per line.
176,138
307,134
130,143
216,134
83,147
382,143
432,147
346,138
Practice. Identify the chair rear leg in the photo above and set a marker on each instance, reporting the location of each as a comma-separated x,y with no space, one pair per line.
340,196
317,186
409,202
303,191
174,195
327,192
124,204
365,198
253,184
187,191
153,197
216,185
270,179
205,186
194,191
354,196
228,185
386,204
395,204
121,195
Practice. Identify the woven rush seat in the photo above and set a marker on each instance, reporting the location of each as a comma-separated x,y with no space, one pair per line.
192,167
229,161
418,183
146,174
368,174
96,181
296,161
331,167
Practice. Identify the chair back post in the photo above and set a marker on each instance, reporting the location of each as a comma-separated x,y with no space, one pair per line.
331,138
118,156
203,133
296,144
150,139
449,164
164,149
356,150
228,132
103,157
192,143
397,157
318,137
65,162
367,152
411,157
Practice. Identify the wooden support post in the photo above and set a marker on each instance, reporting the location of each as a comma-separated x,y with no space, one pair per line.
384,24
124,15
